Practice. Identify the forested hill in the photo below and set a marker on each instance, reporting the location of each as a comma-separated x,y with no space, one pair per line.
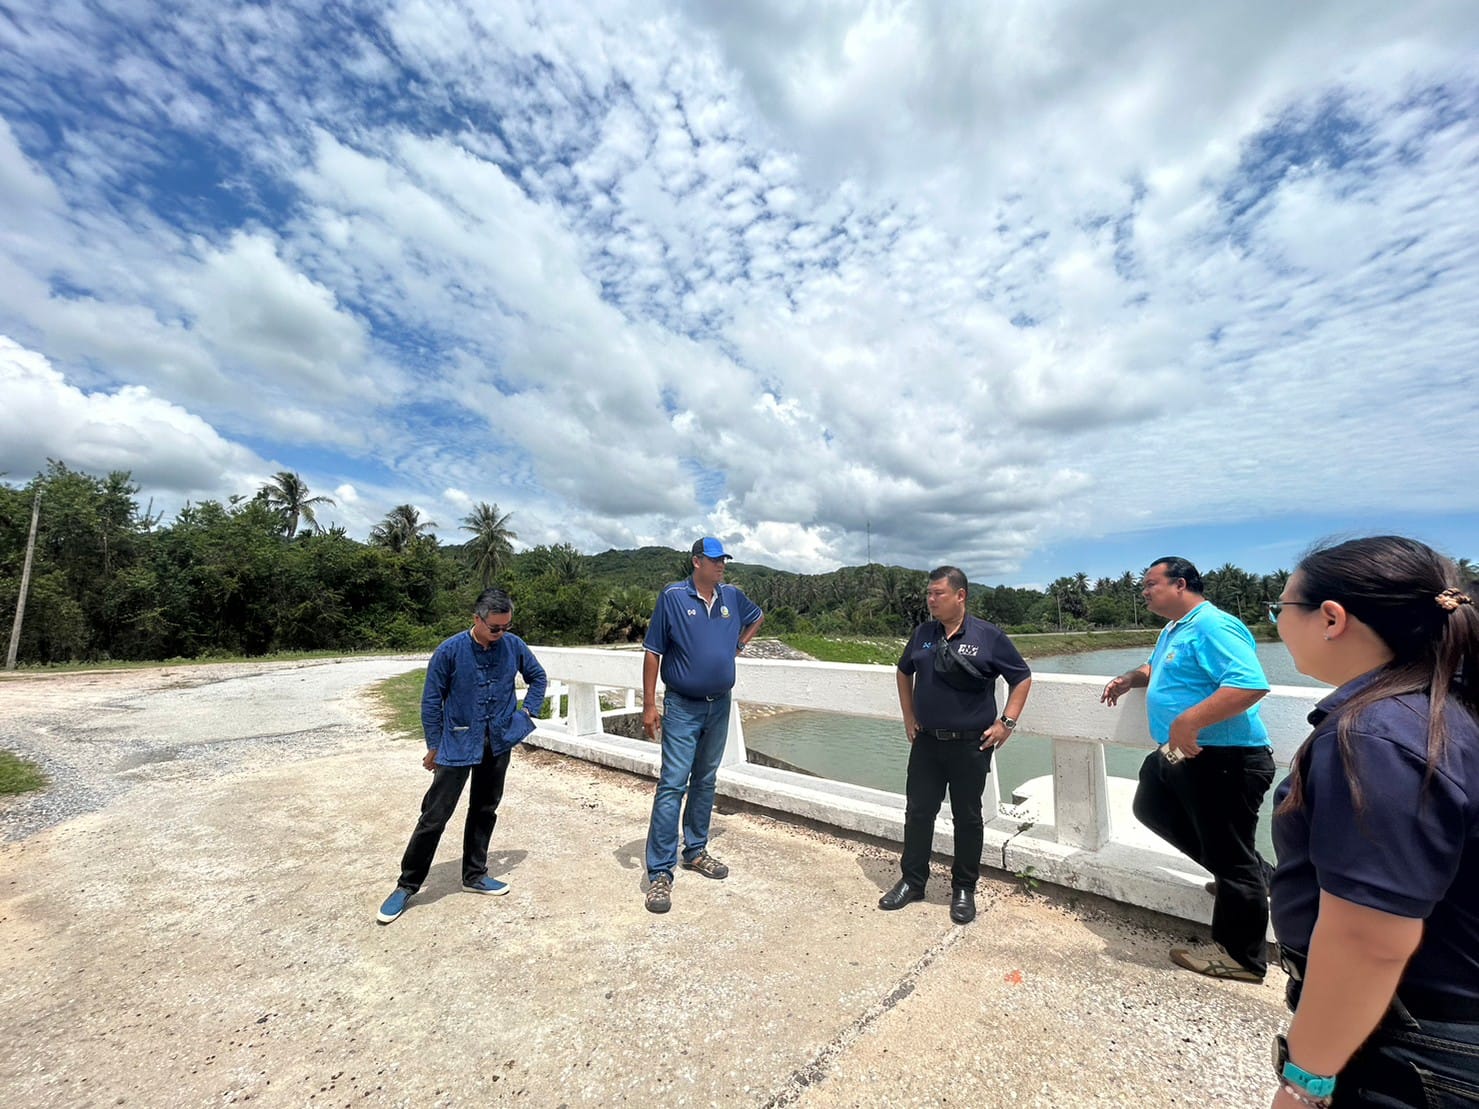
257,574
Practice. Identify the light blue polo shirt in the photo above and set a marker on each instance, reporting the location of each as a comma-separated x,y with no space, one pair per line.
698,642
1195,656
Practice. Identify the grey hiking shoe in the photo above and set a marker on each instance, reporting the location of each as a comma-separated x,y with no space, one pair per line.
707,865
660,894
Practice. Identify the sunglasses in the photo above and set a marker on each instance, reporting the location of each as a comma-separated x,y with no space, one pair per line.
494,629
1276,607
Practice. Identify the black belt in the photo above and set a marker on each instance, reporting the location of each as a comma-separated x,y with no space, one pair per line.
1410,1000
698,696
942,733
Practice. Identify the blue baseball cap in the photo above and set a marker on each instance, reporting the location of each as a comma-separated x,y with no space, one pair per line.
710,547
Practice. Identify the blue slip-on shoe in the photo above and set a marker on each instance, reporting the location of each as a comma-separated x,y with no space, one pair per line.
486,885
394,906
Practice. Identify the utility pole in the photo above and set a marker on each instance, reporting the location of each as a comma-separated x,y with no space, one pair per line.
20,598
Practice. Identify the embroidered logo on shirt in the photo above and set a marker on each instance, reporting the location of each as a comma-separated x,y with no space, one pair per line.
693,612
968,649
724,611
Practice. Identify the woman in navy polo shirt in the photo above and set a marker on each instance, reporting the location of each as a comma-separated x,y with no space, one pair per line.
1376,897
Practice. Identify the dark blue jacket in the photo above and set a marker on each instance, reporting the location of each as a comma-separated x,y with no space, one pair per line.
469,695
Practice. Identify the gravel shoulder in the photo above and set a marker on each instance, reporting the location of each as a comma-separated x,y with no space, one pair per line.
197,928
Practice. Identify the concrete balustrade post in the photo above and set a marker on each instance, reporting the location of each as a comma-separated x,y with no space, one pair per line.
991,799
1080,793
585,709
734,740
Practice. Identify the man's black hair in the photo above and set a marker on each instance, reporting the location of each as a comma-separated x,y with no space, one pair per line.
1180,568
952,576
493,600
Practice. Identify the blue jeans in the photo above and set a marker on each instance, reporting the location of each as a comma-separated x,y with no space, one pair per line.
1410,1062
693,733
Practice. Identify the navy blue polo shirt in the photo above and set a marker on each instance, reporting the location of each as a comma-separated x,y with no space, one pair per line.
1411,850
698,643
940,706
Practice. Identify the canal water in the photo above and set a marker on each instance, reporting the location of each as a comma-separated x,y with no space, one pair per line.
870,752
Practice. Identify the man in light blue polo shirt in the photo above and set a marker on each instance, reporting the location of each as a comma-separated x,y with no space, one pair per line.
1200,791
698,628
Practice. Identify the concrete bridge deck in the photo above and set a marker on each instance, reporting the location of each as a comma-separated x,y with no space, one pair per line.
207,936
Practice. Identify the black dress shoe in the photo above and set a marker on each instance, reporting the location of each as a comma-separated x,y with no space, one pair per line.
899,896
963,906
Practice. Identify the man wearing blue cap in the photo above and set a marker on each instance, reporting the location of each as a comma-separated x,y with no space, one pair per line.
698,628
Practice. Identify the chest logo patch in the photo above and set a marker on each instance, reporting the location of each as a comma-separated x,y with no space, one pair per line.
1171,655
724,612
968,649
693,612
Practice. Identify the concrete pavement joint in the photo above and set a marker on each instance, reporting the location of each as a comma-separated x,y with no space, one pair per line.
816,1070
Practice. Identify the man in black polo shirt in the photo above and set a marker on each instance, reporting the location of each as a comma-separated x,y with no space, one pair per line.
947,691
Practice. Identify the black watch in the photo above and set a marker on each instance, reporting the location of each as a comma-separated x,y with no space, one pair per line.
1008,722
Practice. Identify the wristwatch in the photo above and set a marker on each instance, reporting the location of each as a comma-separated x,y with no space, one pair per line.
1319,1087
1008,722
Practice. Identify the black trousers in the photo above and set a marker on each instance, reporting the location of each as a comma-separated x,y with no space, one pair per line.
436,809
1207,808
936,765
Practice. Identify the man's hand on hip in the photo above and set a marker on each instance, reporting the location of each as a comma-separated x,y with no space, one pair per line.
1184,738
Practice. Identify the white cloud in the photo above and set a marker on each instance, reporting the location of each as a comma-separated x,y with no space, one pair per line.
166,447
969,281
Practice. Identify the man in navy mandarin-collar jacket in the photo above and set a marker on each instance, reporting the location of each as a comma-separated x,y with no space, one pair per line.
472,722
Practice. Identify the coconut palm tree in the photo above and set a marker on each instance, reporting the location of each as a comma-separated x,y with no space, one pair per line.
564,563
401,527
288,493
490,550
624,615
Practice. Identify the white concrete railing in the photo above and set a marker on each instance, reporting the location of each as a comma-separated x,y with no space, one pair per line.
1077,833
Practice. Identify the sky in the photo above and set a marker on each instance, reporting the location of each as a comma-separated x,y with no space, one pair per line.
1030,288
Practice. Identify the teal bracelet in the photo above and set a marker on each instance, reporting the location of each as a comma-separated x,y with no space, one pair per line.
1316,1085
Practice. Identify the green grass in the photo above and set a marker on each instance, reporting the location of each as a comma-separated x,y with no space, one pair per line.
400,697
1040,645
847,648
18,775
885,651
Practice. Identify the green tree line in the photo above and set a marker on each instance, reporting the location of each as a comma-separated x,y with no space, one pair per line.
256,574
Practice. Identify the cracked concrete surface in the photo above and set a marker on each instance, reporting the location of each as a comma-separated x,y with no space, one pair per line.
198,929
